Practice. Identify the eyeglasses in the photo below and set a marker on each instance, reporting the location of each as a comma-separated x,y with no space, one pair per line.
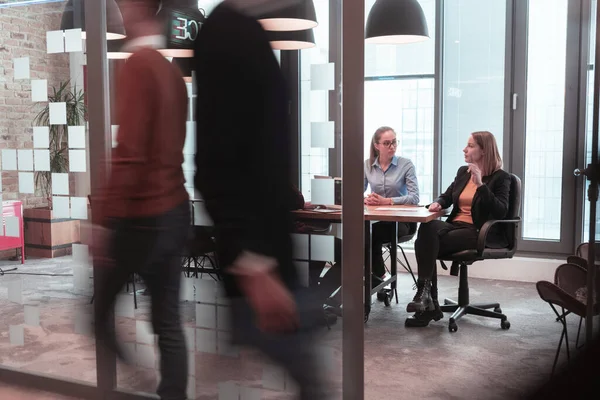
389,144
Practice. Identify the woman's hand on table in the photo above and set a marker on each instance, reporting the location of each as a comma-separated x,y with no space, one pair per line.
435,207
309,206
373,199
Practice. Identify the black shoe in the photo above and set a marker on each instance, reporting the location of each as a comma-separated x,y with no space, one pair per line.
422,300
337,311
330,317
423,318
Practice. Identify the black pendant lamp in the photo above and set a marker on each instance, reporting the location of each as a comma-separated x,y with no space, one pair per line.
291,40
73,17
185,65
299,15
182,20
396,22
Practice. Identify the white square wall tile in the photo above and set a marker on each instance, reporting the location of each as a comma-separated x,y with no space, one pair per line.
39,90
206,316
206,341
55,42
15,290
76,137
77,161
79,208
26,182
81,253
9,160
60,207
60,184
322,134
21,68
41,137
16,335
144,333
12,226
25,159
58,113
41,160
322,76
73,41
323,191
31,315
322,247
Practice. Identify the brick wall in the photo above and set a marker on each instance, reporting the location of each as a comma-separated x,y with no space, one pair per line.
23,34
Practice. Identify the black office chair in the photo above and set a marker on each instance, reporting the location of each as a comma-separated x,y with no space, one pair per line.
462,259
200,254
386,295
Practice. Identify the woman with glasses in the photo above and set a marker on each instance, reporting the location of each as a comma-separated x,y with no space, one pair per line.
393,181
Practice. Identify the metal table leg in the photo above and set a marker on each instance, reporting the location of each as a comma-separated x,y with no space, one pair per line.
367,287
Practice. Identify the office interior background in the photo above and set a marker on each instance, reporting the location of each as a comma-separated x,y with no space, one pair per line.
521,69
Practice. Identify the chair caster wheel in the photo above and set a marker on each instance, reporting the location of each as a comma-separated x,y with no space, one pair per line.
504,324
452,327
498,310
387,299
366,317
381,295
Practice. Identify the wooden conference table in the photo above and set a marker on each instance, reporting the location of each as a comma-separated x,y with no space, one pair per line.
374,214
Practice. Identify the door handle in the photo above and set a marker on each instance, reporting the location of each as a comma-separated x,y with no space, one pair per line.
578,172
590,172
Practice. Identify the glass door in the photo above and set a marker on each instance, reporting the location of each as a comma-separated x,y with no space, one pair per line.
544,117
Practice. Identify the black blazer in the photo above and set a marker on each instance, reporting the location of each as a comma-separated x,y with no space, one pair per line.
243,144
489,202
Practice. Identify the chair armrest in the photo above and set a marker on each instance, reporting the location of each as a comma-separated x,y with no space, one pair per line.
485,230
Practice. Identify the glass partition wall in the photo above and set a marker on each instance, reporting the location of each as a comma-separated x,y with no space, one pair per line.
49,342
45,182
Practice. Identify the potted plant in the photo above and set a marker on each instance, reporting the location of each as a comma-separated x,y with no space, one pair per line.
45,235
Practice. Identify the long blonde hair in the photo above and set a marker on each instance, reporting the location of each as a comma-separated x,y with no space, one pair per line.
492,161
373,153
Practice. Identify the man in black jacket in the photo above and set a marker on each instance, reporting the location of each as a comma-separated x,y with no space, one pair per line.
244,177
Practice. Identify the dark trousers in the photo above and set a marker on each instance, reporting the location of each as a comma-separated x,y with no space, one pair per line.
333,277
382,233
438,238
297,352
152,248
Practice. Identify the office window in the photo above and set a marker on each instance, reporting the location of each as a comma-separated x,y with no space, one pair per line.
406,59
407,106
546,67
399,92
314,105
473,77
589,121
